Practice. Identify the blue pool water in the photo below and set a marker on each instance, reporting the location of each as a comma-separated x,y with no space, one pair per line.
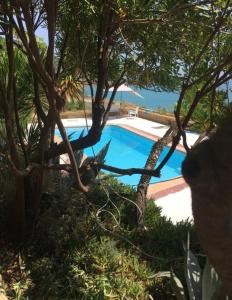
127,150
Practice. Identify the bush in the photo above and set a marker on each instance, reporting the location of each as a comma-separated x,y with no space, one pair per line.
74,105
71,257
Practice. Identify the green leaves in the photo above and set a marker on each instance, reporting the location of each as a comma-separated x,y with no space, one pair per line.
100,157
70,89
24,79
206,286
193,273
31,133
79,154
211,284
176,284
209,111
90,170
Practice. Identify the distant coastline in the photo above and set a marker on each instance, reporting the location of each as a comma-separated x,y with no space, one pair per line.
155,101
151,100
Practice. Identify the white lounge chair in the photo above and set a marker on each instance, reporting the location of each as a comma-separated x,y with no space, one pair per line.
133,112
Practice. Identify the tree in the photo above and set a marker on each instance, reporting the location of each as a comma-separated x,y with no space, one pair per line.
150,164
210,112
19,21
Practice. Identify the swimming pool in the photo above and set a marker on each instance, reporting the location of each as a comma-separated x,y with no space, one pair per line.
128,149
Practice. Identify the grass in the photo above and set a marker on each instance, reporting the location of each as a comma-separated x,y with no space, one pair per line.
79,251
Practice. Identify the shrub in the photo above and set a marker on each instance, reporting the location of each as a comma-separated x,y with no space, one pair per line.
74,105
71,257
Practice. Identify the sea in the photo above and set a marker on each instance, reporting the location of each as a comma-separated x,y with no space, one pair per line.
152,100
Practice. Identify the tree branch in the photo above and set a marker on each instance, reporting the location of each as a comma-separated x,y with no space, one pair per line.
62,52
130,171
17,121
39,110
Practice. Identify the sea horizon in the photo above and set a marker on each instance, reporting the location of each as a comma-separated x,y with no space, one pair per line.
152,100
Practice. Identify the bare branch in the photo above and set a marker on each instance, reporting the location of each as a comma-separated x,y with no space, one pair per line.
79,184
116,86
39,110
130,171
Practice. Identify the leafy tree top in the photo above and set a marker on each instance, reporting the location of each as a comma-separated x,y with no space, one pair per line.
154,43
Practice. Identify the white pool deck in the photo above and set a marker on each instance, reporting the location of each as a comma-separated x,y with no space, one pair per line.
176,205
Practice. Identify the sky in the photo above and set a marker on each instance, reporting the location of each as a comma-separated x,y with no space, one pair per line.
43,33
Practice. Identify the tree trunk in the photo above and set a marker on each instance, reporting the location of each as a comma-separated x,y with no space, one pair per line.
24,205
150,164
208,171
33,192
16,225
